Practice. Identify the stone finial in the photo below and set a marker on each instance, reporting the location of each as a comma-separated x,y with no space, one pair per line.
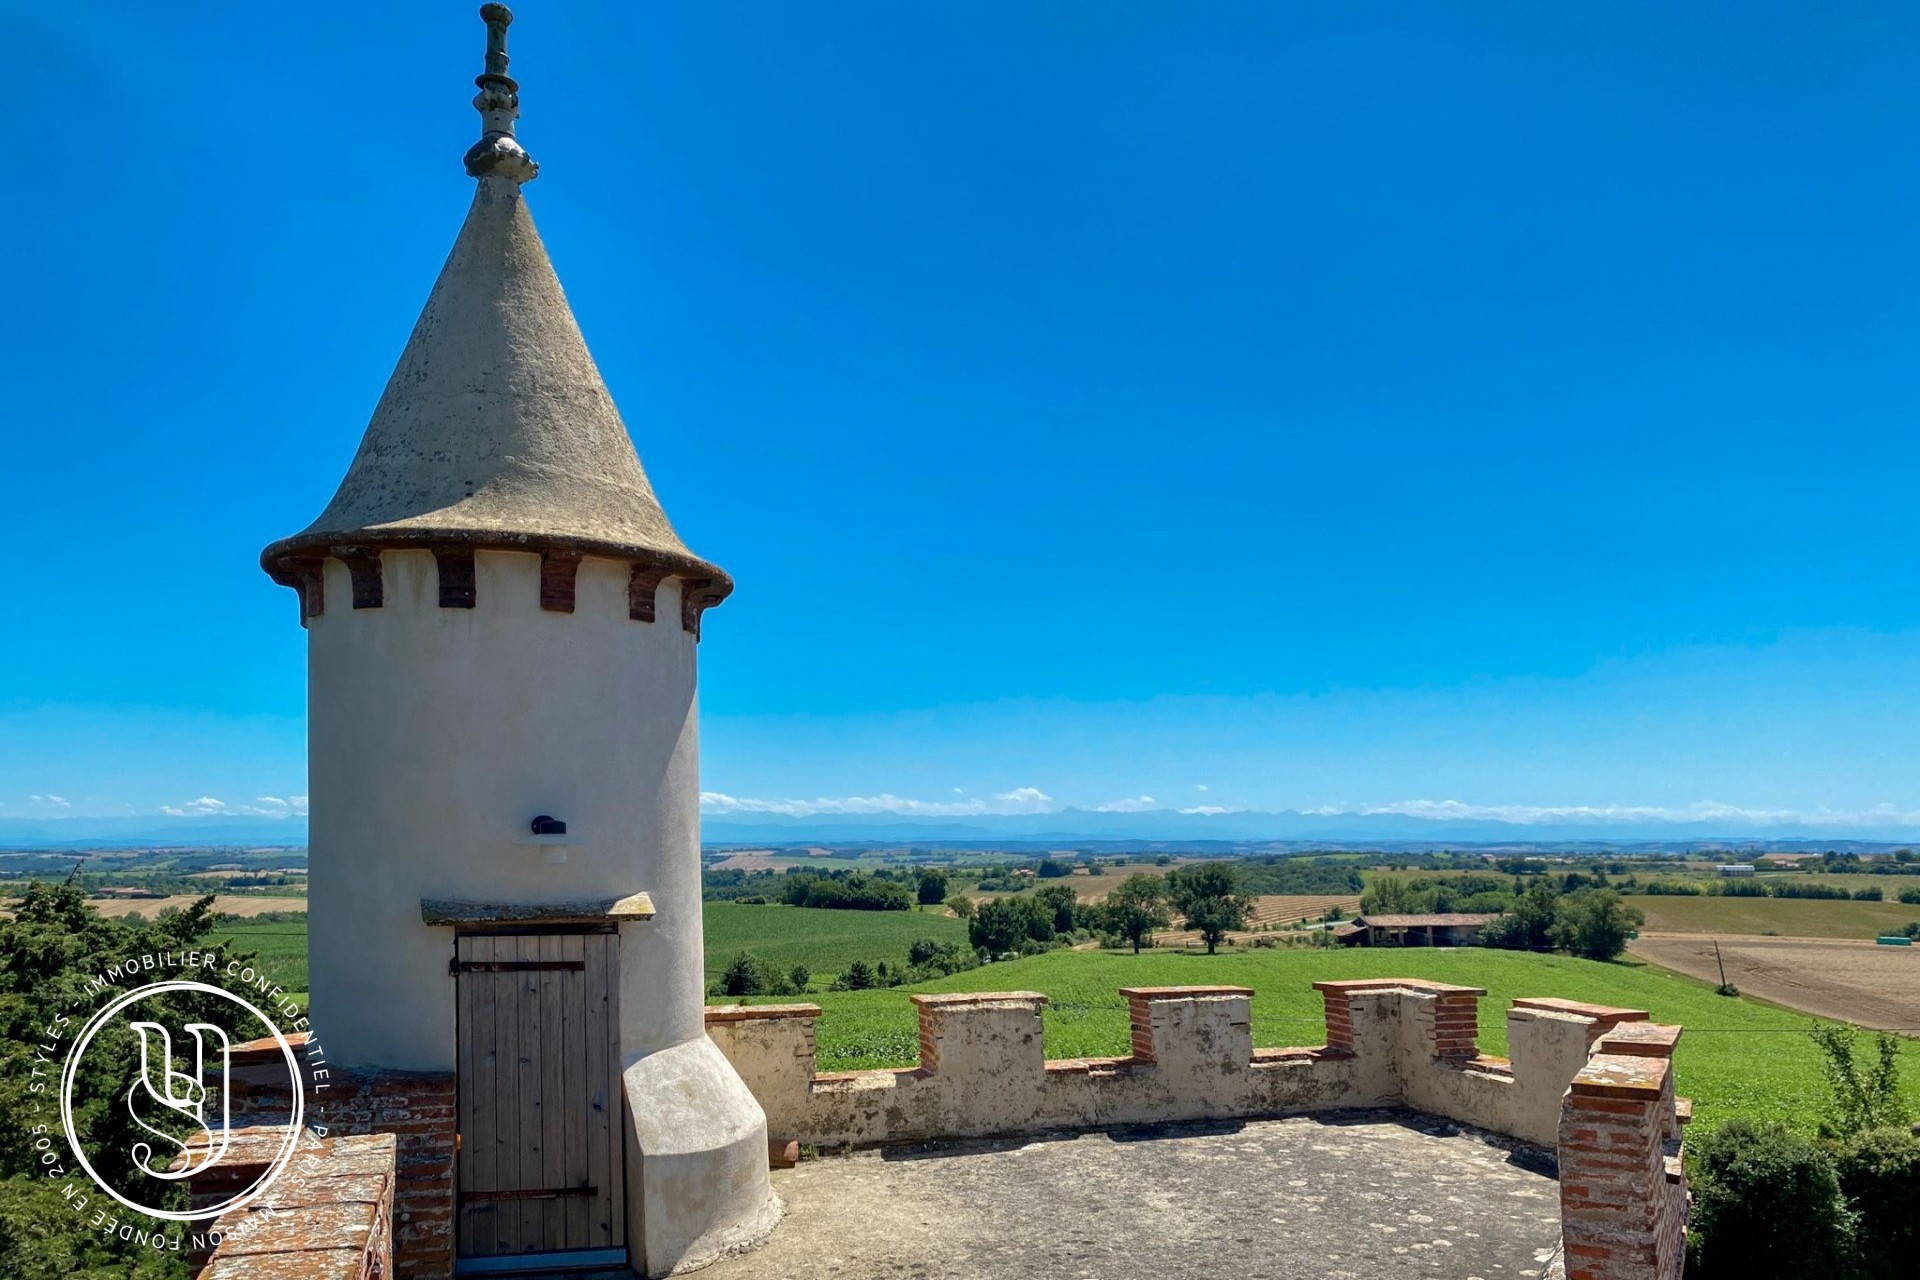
498,153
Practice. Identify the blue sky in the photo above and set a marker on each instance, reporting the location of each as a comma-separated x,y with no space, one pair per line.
1246,405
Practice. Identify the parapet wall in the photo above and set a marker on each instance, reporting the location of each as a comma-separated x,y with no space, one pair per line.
983,1070
330,1214
1591,1082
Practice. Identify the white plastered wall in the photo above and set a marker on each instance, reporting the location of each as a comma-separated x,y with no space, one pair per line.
436,735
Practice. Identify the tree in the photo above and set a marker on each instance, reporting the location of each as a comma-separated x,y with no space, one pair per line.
1528,923
933,887
1063,903
748,975
998,926
961,906
800,976
1387,895
742,977
1053,869
1208,896
1137,907
49,948
1594,923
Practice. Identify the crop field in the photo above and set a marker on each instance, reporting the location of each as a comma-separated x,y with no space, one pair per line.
282,949
824,941
1859,982
1787,917
1738,1057
233,904
1098,885
1270,911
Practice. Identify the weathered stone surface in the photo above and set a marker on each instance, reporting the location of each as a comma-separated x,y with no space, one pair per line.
634,906
1343,1194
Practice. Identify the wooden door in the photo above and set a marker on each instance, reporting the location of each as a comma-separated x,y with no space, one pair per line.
540,1162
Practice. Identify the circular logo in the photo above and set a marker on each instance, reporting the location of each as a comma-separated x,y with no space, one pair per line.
174,1123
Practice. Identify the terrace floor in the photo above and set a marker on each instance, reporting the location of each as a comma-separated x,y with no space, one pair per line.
1342,1194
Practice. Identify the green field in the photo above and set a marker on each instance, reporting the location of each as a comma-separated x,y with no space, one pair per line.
282,949
1737,1058
1788,917
824,941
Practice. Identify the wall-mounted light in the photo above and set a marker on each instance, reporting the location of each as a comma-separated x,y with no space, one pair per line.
548,826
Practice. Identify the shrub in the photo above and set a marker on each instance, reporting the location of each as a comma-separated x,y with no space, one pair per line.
800,976
859,976
1805,889
961,906
1863,1096
1911,897
748,975
1879,1172
1871,894
1766,1202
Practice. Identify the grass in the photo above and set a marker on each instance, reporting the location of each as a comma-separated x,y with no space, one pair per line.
824,941
1789,917
1738,1057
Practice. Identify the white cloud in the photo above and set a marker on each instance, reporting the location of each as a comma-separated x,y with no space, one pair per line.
1201,786
52,802
1205,810
1018,800
262,807
200,808
1700,811
274,806
1138,804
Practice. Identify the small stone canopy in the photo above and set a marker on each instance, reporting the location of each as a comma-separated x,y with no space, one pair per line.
635,906
496,430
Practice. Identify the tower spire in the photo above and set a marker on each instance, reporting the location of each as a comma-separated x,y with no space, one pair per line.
498,153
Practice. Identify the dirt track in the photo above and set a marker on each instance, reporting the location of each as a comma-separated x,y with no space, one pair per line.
1858,982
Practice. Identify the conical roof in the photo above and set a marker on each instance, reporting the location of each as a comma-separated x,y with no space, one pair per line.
495,429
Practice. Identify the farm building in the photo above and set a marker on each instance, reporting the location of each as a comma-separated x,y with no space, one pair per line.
1735,869
515,1071
1439,929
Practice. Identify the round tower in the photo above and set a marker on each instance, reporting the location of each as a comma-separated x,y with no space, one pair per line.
504,768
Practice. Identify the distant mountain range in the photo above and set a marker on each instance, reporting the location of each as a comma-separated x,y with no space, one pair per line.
1288,827
151,832
1065,827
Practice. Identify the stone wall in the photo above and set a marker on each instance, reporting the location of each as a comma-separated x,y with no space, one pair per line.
415,1111
1623,1190
1593,1082
418,1110
329,1215
983,1069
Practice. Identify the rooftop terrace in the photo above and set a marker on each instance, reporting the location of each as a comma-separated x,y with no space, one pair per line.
1339,1194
